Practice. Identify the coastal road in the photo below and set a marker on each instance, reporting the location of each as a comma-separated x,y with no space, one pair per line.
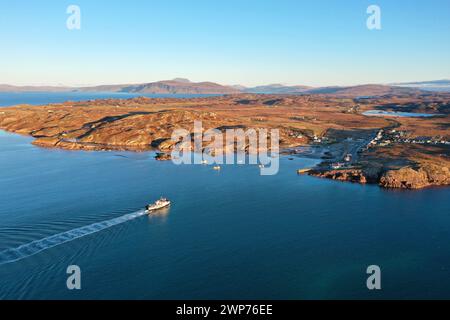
354,146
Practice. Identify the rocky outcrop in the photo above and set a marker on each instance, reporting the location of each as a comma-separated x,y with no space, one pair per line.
403,178
410,178
46,142
351,175
163,156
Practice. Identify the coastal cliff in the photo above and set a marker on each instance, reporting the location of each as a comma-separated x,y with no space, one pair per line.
403,178
350,175
409,178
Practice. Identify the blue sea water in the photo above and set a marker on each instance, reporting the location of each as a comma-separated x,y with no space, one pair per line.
232,234
40,98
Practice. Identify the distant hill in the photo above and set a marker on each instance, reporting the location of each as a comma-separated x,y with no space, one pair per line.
364,90
176,86
9,88
352,91
435,85
277,89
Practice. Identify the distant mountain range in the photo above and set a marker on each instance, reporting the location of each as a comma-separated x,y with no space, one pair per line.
436,85
9,88
364,90
184,86
176,86
277,89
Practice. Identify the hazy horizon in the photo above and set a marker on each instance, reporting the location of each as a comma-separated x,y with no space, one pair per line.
201,81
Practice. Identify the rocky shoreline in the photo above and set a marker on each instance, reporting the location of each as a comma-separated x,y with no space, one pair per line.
403,178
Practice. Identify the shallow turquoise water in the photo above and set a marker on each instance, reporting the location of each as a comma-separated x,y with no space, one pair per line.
230,234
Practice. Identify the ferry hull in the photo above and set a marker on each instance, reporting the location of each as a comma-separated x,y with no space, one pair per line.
152,209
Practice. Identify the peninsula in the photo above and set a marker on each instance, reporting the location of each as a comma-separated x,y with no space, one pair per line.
397,138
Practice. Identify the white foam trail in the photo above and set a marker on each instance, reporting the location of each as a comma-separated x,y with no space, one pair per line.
32,248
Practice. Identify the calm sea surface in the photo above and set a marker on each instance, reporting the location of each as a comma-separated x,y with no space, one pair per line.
39,98
229,235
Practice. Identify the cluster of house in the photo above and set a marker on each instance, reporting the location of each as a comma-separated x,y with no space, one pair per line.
319,140
296,134
354,109
385,138
427,140
339,165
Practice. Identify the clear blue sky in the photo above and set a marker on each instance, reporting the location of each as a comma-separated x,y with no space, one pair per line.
249,42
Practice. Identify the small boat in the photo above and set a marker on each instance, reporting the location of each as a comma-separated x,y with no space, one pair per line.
261,166
217,168
157,205
348,158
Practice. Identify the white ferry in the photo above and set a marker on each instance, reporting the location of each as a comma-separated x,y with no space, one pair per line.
157,205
